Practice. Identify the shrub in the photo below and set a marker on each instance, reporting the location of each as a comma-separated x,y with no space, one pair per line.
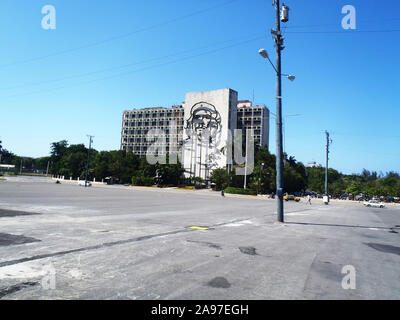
142,181
220,177
240,191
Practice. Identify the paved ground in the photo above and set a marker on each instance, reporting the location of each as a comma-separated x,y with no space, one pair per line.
104,242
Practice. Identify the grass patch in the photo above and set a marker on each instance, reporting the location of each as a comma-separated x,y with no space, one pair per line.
185,188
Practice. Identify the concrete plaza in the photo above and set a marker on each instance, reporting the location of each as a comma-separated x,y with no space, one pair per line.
63,241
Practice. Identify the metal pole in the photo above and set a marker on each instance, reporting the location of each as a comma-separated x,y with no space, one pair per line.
279,156
259,178
326,168
88,160
201,152
191,156
47,170
284,133
245,164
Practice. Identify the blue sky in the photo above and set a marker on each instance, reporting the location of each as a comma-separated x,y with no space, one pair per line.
108,56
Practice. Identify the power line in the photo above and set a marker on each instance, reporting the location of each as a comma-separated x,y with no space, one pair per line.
347,32
117,67
336,24
158,25
142,69
366,135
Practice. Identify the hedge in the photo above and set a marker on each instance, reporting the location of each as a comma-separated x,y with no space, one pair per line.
142,181
240,191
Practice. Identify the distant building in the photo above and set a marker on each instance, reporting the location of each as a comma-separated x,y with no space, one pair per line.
7,167
137,123
218,111
254,117
313,164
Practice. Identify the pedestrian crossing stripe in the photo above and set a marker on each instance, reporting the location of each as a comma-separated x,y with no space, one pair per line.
198,228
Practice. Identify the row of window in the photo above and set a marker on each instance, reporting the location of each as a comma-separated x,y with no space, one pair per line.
148,141
144,130
249,123
249,114
153,115
152,124
142,149
144,133
249,118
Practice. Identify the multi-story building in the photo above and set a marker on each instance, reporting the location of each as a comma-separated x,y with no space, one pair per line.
218,111
256,118
137,123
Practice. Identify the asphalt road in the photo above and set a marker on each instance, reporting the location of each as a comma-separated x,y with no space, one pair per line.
104,242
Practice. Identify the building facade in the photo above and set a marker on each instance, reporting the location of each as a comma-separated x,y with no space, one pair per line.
256,118
198,130
209,117
137,123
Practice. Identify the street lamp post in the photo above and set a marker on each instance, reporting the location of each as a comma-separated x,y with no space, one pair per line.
328,143
88,159
284,17
259,178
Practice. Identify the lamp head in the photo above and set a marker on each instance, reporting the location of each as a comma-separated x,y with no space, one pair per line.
263,53
291,77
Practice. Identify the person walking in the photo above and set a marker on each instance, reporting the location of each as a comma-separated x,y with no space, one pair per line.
309,199
223,193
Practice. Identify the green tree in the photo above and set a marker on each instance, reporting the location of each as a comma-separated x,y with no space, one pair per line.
354,188
220,177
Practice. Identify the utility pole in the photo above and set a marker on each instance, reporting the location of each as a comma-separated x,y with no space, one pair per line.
47,170
245,164
20,168
279,153
328,142
281,14
259,178
88,159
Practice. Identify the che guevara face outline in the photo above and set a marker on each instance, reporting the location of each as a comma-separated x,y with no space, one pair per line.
204,117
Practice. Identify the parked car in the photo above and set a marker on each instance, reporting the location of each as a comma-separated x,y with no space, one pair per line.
291,197
374,204
82,184
360,197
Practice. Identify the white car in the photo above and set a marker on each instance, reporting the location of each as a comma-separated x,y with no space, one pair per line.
374,203
82,183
